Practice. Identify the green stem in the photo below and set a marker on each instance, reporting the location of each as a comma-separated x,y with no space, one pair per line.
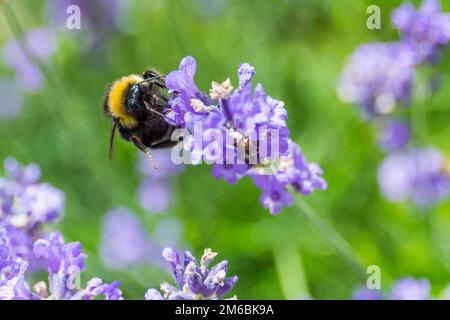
291,273
436,248
336,241
423,97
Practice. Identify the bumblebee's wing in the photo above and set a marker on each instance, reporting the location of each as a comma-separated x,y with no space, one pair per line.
154,77
111,139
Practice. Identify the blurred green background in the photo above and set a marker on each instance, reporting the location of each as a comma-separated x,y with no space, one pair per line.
298,49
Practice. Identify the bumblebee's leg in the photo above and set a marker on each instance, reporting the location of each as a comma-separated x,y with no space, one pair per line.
162,100
125,134
166,141
165,100
161,97
165,144
111,139
138,143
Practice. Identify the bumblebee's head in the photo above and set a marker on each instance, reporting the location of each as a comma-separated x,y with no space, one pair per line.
123,100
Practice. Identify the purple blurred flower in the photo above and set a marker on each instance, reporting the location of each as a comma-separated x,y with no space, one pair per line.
155,197
163,161
417,174
26,205
379,77
64,263
124,241
394,135
97,21
41,44
243,132
96,16
155,194
404,289
194,281
41,203
364,293
411,289
29,174
426,30
12,98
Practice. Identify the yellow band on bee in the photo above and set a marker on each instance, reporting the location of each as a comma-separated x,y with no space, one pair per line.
117,100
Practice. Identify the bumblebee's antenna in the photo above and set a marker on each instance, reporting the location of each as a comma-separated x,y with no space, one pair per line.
151,79
111,139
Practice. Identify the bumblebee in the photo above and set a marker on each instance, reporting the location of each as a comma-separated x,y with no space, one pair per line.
138,107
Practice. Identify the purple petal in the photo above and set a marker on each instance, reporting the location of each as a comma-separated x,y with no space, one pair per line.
153,294
227,286
245,74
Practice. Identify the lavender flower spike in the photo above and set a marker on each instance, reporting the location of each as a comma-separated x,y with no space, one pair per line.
416,174
411,289
395,135
406,288
363,293
41,43
26,205
379,77
194,281
243,132
12,270
65,262
426,30
125,243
